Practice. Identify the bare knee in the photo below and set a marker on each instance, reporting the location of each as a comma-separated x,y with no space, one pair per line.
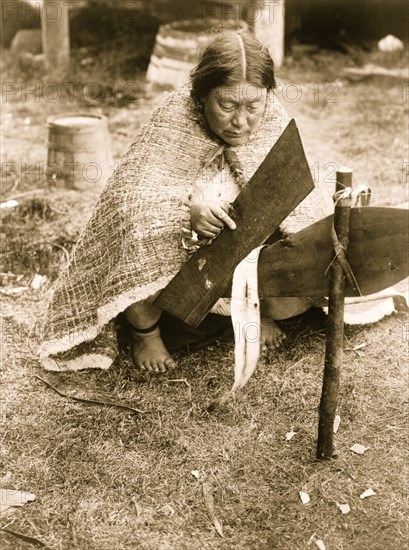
283,308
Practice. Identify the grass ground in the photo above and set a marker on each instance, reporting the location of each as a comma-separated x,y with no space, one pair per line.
106,478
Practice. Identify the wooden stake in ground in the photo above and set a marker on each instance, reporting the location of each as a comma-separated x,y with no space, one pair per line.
335,326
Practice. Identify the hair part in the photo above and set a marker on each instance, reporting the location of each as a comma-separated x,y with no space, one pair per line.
243,56
231,57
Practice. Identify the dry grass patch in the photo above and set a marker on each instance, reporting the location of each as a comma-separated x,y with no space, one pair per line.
104,475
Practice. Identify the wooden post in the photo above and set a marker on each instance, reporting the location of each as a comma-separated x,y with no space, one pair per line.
55,37
269,26
335,326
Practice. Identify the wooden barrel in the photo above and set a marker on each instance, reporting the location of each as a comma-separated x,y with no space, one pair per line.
177,48
78,150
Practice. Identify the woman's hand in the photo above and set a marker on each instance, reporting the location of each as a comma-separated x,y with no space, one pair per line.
208,218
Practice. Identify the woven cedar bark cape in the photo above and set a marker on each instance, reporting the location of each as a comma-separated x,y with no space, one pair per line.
131,247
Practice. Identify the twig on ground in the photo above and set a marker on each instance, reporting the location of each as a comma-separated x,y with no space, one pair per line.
202,543
294,364
90,401
286,371
3,438
355,335
138,507
208,498
322,330
311,333
33,191
26,538
74,536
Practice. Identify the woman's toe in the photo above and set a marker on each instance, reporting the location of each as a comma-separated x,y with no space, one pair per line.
280,341
155,366
162,365
170,364
147,365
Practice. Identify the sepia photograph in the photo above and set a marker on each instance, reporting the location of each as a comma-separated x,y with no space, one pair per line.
204,274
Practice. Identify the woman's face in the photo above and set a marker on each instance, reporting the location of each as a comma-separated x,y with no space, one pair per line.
234,112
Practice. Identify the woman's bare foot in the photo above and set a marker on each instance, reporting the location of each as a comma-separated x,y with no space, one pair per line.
149,353
271,333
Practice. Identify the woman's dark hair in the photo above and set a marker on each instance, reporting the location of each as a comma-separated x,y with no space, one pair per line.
230,58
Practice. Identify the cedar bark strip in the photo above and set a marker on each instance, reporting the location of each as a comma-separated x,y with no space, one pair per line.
335,329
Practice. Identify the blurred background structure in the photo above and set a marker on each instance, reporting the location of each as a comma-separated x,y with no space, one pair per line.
283,25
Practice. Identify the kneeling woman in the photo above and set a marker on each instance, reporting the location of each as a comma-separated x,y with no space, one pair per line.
187,163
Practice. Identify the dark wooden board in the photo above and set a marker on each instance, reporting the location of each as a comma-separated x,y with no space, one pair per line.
378,254
280,183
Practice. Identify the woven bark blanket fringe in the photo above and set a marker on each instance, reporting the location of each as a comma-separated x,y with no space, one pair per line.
131,247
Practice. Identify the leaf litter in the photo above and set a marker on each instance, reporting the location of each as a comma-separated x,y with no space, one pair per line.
304,497
367,493
289,435
319,543
359,449
345,508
